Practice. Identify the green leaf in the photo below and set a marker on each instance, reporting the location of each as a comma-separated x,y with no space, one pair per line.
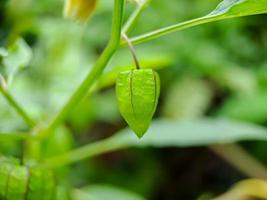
193,133
236,8
226,9
100,192
19,56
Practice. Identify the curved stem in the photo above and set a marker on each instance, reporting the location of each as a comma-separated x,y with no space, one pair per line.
130,45
95,72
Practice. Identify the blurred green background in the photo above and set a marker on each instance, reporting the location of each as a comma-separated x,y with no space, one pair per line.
217,70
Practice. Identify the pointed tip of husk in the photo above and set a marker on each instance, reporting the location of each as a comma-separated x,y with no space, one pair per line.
140,131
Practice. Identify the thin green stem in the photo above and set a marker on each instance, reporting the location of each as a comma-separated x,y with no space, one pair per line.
87,151
15,136
96,70
133,18
232,153
241,160
173,28
10,99
131,47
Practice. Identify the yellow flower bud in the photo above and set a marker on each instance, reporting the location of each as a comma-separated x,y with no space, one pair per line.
79,10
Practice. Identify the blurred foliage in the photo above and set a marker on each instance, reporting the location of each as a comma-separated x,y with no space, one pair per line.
98,192
217,70
18,55
246,189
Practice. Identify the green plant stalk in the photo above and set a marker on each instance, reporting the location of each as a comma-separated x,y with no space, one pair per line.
87,151
133,18
95,72
30,122
231,153
15,136
241,160
173,28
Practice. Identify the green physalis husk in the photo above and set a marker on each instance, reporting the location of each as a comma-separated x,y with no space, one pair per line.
137,94
19,182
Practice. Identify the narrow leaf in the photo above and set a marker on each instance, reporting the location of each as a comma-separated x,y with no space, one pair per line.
236,8
163,133
226,9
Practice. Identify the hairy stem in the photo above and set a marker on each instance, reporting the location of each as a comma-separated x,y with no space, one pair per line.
96,70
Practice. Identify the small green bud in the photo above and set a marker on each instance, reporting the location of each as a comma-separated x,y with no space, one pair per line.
137,94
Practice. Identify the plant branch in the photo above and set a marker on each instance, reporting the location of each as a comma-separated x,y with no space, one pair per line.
87,151
130,45
241,160
15,136
232,153
96,70
10,99
134,17
173,28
